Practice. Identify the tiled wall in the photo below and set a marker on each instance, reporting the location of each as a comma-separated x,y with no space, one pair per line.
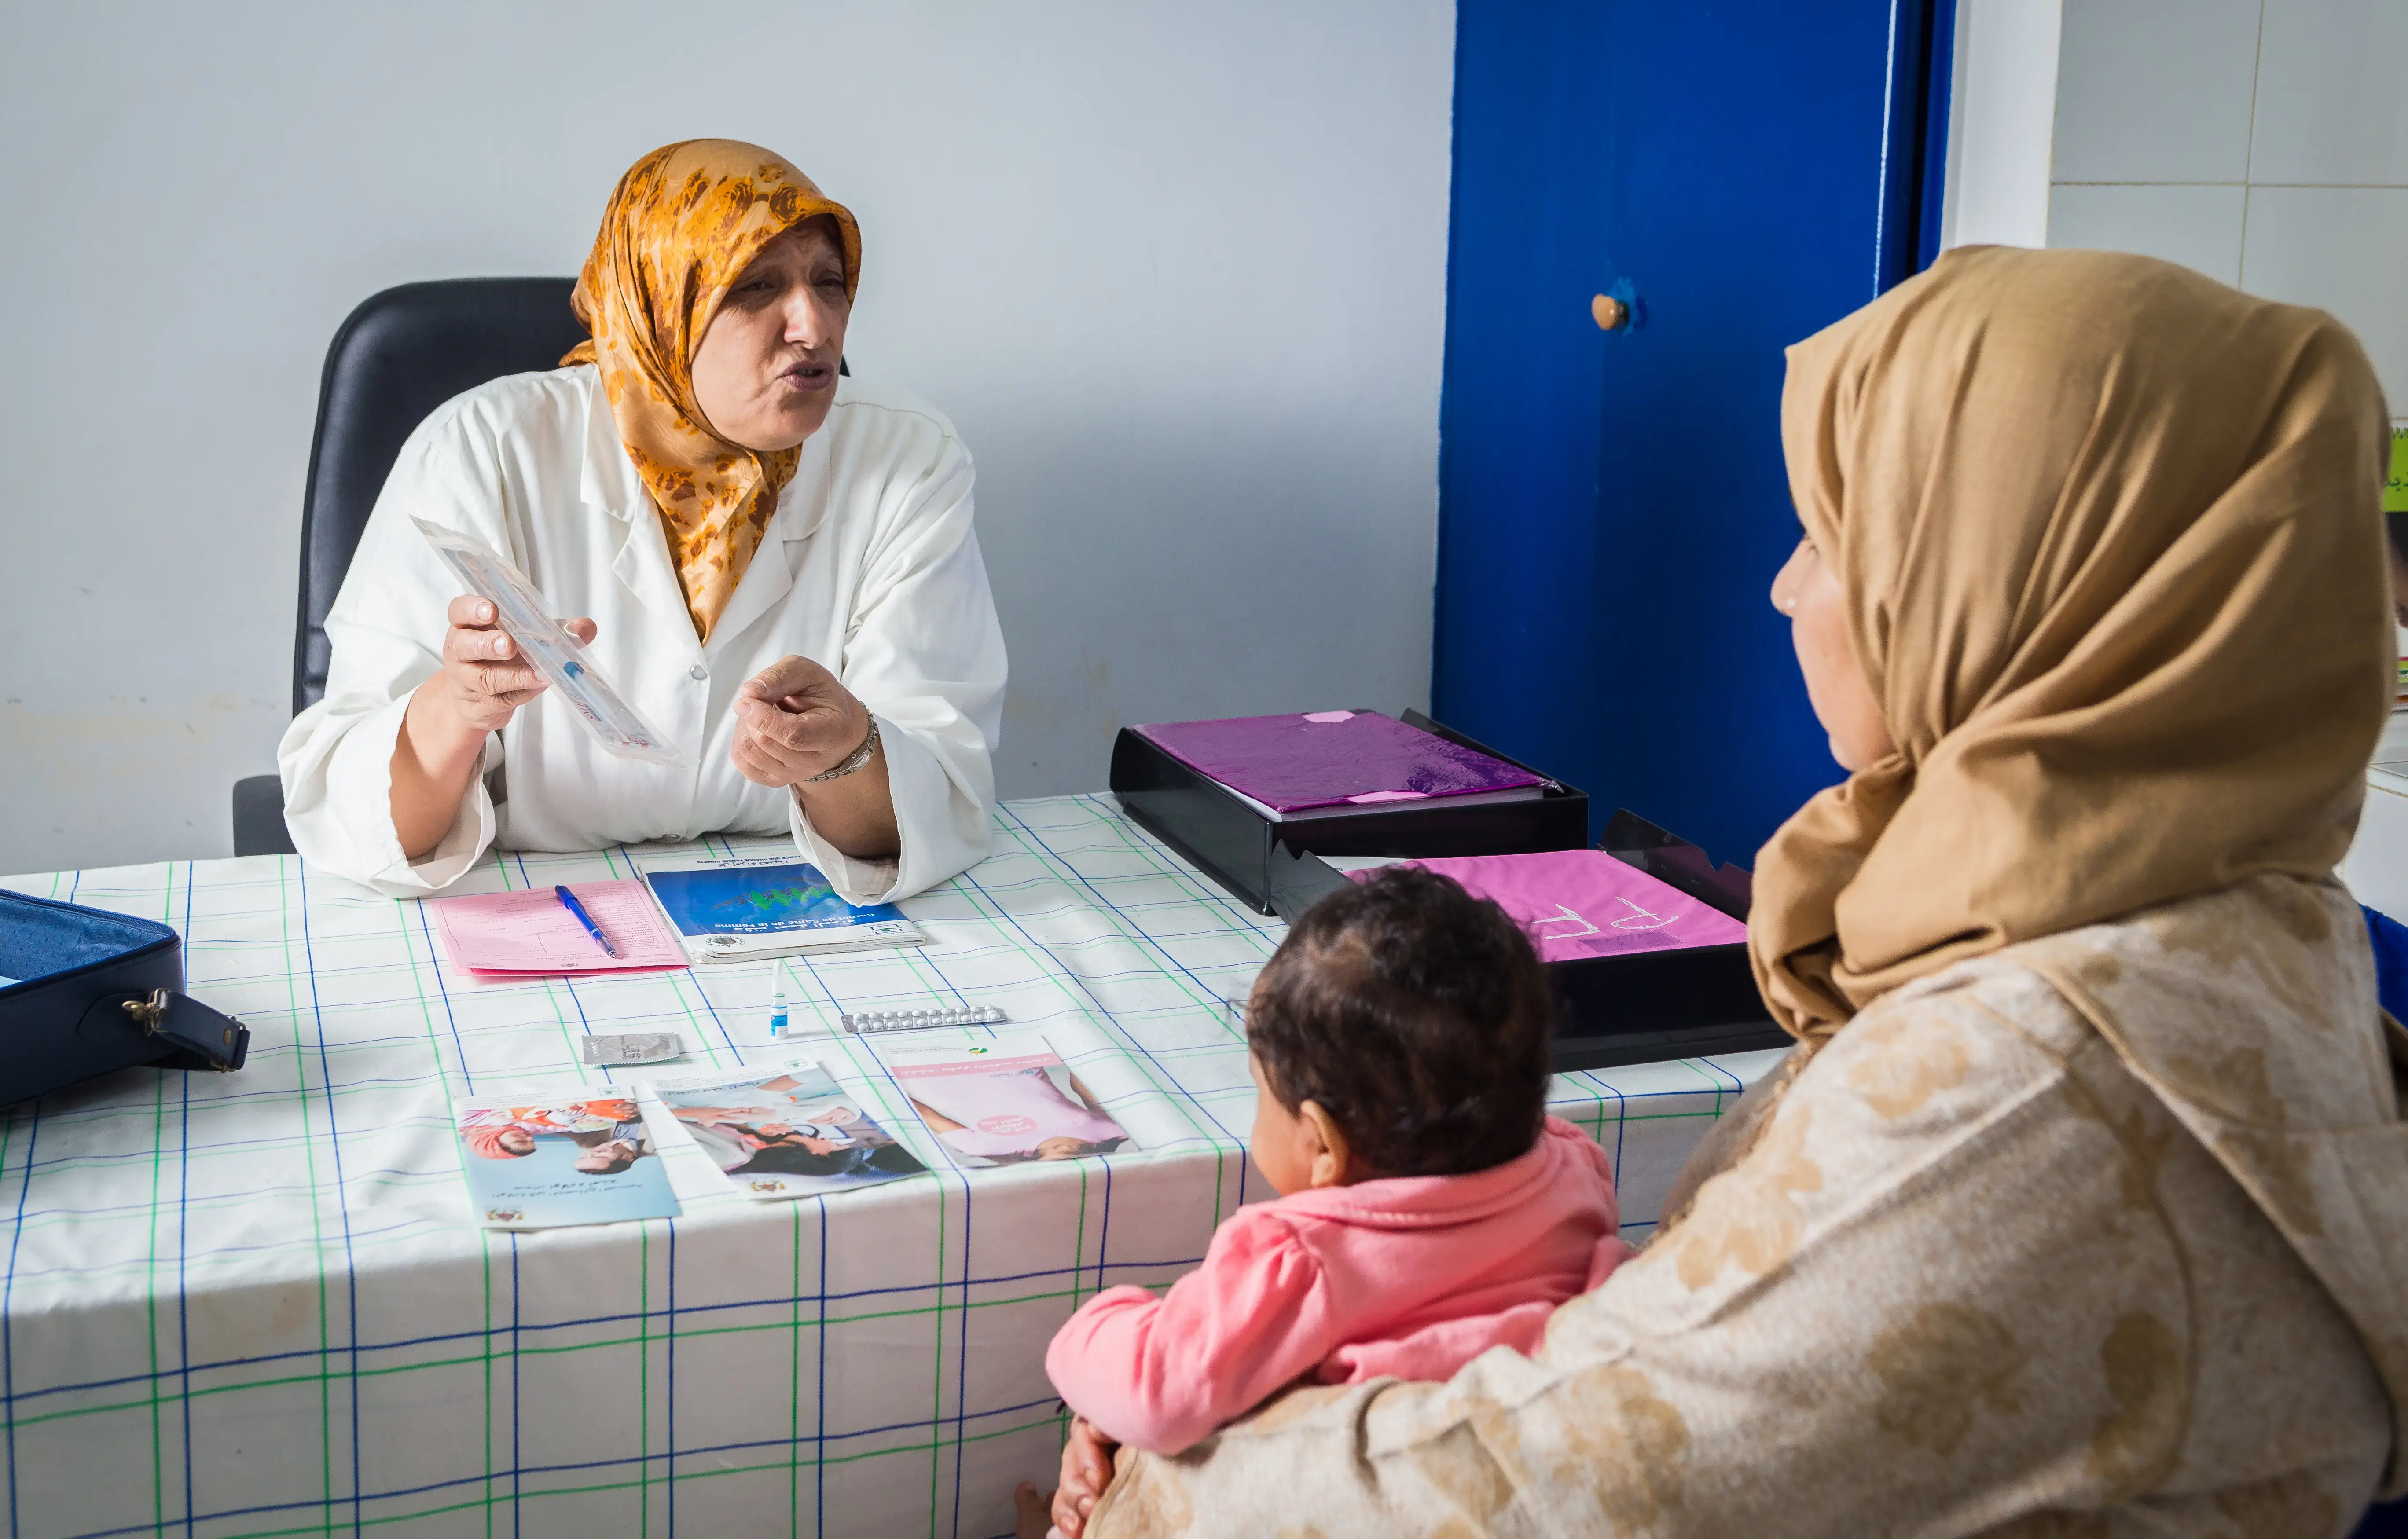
2263,142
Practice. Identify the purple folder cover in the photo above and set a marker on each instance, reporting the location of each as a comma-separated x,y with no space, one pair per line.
1324,757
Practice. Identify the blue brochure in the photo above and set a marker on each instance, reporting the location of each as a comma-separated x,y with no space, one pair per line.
739,908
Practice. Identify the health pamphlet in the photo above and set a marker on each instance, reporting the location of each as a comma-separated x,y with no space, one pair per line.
1003,1101
584,1157
786,1133
738,908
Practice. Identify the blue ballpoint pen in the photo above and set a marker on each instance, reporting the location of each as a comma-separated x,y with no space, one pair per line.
568,901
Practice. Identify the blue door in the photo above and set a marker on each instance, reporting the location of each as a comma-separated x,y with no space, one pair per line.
1613,506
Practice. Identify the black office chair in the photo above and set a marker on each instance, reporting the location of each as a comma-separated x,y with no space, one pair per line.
396,358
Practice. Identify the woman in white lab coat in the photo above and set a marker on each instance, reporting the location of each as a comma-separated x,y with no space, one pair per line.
775,566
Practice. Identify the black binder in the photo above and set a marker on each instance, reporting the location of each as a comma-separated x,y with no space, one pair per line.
1236,846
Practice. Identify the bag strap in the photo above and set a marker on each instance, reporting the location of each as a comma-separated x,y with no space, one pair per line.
204,1039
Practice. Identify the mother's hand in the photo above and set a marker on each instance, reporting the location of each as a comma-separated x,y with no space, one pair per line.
482,683
1086,1474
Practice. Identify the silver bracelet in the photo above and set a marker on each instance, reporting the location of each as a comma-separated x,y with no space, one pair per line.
851,761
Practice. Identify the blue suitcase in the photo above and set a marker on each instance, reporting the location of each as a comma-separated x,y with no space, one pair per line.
89,993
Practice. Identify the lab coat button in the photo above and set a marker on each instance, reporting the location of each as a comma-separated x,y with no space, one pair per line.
697,673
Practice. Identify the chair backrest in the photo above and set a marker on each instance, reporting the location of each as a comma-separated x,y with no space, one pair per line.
396,358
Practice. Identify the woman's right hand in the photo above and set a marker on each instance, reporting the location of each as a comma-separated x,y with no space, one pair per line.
482,683
484,678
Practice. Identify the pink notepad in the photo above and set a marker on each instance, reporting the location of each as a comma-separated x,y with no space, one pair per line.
532,932
1584,903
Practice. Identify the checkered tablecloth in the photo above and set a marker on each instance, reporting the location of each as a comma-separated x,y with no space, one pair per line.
254,1303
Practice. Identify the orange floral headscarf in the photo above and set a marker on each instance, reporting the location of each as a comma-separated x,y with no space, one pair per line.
682,225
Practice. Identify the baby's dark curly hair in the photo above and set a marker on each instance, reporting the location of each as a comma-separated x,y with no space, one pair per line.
1417,1016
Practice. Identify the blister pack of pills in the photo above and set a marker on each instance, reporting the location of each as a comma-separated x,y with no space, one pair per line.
912,1020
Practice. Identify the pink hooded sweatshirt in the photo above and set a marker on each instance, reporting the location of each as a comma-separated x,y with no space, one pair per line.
1407,1278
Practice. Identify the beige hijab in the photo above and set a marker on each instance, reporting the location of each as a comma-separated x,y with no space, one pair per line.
2109,535
682,225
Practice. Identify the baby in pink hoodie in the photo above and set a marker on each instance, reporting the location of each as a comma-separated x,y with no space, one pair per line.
1428,1208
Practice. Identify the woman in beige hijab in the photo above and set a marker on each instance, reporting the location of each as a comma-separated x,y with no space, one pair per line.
2082,1207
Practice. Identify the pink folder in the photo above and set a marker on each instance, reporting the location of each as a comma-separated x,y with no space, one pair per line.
532,932
1324,757
1584,903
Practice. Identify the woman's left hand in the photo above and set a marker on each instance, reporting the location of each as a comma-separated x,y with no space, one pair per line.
792,721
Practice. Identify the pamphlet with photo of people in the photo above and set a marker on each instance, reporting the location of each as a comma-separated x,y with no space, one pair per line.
585,1158
792,1131
1005,1101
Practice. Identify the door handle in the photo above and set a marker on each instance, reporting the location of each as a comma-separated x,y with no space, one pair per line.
1619,308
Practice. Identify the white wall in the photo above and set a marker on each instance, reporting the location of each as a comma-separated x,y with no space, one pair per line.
1176,272
2262,142
2001,102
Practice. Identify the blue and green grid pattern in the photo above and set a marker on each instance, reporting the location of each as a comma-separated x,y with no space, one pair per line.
253,1303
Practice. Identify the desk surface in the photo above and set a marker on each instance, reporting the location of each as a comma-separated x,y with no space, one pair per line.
253,1304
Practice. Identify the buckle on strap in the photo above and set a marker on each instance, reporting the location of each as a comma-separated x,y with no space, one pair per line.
204,1038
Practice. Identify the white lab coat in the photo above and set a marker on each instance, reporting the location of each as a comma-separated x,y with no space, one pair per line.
870,567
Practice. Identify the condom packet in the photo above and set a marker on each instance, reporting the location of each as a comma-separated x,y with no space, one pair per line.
611,1050
547,645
